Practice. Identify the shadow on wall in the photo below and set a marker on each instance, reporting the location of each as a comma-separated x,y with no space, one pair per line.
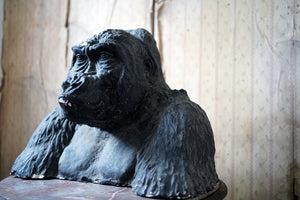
275,128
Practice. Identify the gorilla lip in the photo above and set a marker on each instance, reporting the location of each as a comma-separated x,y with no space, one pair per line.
72,102
75,107
74,112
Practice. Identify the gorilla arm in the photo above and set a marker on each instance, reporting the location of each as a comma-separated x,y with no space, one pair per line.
178,160
40,157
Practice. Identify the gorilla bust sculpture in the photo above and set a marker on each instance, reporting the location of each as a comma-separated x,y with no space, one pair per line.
119,123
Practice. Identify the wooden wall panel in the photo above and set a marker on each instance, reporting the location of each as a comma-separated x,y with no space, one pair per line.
238,60
1,37
33,64
93,16
179,28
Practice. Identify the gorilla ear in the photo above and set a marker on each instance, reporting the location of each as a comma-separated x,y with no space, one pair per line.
143,35
152,63
150,68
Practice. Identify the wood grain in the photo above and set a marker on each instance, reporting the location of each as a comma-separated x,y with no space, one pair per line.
33,64
93,16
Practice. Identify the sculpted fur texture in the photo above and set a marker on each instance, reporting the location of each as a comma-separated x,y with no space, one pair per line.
119,123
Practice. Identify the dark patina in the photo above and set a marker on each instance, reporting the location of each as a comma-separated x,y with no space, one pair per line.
119,123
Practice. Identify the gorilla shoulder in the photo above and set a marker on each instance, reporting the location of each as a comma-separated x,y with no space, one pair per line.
183,133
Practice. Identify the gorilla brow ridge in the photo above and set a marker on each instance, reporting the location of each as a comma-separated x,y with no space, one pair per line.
147,45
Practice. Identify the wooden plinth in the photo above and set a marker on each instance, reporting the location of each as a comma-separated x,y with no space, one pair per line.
16,188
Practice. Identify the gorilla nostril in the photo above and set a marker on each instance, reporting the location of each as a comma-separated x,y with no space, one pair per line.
65,85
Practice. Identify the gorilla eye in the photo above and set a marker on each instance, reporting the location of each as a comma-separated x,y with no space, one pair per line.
105,60
80,58
105,56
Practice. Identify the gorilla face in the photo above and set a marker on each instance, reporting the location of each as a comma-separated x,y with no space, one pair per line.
89,94
106,81
110,75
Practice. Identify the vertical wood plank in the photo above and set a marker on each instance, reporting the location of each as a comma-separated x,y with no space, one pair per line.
33,64
179,29
244,55
1,37
295,92
93,16
242,98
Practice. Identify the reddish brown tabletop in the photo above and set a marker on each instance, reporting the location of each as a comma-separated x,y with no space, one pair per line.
16,188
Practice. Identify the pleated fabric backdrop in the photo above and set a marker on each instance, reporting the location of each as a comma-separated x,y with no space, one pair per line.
238,59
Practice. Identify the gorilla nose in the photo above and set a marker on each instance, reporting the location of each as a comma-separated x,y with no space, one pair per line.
64,101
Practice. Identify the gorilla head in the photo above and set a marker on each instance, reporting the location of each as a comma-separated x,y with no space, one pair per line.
110,75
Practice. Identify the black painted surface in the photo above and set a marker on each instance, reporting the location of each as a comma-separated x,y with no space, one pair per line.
119,123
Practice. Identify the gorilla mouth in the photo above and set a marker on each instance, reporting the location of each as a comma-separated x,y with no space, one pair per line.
64,101
79,109
92,114
70,102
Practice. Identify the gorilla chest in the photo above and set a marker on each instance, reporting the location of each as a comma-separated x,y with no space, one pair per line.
97,156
